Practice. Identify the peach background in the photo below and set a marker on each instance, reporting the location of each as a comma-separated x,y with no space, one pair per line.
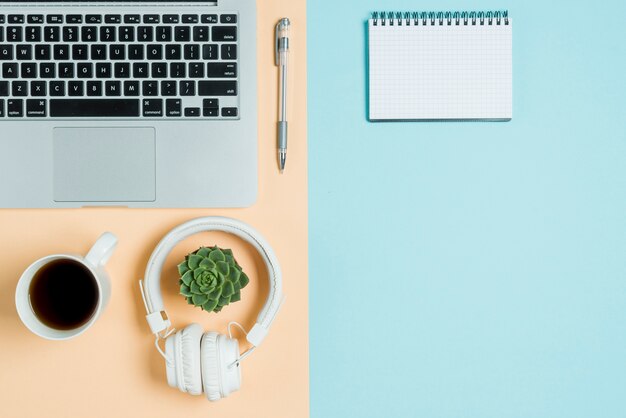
113,369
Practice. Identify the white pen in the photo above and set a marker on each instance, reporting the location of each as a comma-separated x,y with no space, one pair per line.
282,55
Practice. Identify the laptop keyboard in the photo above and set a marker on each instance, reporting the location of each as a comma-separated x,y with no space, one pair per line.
157,66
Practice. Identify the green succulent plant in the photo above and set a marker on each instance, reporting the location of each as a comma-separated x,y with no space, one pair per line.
211,278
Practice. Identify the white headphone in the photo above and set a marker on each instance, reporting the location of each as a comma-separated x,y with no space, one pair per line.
208,362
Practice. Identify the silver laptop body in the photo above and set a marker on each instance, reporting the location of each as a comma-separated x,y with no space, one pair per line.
128,104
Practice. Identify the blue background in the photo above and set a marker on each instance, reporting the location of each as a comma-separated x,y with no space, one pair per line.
471,269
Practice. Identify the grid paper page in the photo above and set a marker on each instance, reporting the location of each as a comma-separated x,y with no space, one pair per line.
439,72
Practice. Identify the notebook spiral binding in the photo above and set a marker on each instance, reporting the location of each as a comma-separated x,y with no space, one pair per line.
450,18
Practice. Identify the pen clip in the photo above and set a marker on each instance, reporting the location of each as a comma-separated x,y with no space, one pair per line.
281,27
276,58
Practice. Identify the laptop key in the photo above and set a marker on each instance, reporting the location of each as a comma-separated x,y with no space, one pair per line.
54,19
187,88
132,19
93,19
94,88
117,52
19,88
15,19
127,34
191,52
94,107
172,52
170,18
34,18
37,88
224,34
208,18
211,103
196,70
103,70
29,70
163,33
217,88
75,88
24,52
150,88
47,70
210,112
168,88
32,34
229,112
79,52
122,70
159,69
66,70
182,33
51,34
145,33
89,34
140,70
1,107
229,52
190,19
9,70
4,88
57,88
230,18
131,88
61,52
221,70
14,34
107,33
135,52
153,107
155,52
200,33
177,70
70,34
173,107
42,52
84,70
6,52
151,18
15,108
192,111
35,108
74,19
113,88
113,18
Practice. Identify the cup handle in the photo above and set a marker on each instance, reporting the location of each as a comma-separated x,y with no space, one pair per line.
102,250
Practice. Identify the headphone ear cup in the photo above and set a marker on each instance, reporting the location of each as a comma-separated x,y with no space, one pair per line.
218,352
183,369
210,369
170,362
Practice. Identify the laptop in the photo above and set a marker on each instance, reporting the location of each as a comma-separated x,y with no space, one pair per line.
133,104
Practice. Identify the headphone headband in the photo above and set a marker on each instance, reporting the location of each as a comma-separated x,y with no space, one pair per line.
151,287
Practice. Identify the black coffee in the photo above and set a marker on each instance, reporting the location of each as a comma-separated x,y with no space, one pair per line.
64,294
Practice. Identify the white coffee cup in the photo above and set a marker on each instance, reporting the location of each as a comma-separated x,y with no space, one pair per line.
94,261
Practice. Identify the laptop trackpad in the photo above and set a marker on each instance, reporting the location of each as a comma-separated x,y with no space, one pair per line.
104,165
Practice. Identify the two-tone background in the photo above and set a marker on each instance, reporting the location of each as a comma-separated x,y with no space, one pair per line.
456,270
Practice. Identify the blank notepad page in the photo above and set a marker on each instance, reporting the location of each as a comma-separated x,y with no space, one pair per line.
436,69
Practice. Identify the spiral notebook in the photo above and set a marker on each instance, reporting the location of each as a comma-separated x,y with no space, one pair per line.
440,66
